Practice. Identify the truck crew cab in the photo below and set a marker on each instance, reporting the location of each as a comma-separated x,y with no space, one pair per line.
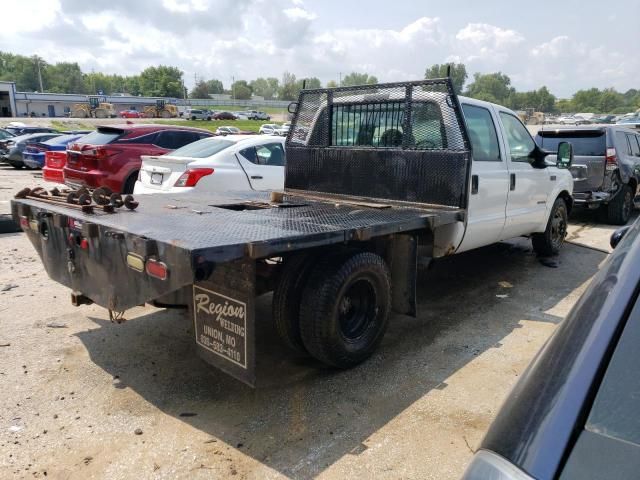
376,175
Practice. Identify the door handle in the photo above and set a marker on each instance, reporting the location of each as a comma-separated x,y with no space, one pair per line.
474,184
256,177
512,183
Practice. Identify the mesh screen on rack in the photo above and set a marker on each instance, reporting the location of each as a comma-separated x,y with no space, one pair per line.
410,115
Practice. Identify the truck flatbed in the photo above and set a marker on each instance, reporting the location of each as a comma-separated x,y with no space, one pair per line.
230,226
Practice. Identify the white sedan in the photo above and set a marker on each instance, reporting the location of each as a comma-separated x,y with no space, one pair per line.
216,164
269,128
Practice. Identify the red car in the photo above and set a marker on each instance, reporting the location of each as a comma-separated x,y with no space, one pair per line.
54,162
110,156
131,114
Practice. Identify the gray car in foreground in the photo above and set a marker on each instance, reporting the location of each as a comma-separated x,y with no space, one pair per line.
605,169
574,412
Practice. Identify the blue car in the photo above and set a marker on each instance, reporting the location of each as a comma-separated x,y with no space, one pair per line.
574,414
33,155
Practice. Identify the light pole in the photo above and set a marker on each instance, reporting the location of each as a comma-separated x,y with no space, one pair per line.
233,87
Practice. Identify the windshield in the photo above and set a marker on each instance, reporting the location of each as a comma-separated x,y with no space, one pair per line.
202,148
590,143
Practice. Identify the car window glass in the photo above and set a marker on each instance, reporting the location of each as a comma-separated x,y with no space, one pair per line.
249,154
148,139
622,144
102,137
202,148
372,125
633,142
482,134
426,126
270,155
170,140
518,139
615,410
590,143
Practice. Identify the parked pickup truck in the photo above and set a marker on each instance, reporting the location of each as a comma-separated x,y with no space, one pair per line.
376,176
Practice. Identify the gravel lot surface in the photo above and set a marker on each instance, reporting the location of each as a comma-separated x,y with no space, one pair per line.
84,398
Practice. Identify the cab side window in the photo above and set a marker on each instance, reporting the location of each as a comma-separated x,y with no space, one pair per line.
482,134
633,142
518,138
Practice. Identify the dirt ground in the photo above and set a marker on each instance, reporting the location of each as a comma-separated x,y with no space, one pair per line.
84,398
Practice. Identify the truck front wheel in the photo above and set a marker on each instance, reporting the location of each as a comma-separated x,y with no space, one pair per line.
345,308
549,242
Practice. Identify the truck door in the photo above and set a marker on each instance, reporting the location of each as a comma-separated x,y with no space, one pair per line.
529,187
264,165
489,179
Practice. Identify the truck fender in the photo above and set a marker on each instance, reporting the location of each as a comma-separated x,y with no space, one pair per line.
568,200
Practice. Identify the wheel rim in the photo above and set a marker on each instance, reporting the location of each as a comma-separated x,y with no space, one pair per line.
558,227
357,309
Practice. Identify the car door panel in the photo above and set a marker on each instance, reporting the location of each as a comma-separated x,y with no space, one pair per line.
262,173
490,180
529,187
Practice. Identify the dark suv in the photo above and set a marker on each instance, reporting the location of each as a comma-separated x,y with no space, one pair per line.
110,156
606,167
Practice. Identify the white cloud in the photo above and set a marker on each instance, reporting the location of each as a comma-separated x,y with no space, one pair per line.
297,13
252,38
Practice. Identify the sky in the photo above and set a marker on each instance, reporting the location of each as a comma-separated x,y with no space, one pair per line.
566,45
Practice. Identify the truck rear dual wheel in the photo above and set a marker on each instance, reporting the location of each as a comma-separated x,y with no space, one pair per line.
285,305
550,241
344,308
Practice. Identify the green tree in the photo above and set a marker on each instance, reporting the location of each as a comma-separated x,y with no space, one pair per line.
289,88
161,81
201,90
610,100
332,84
262,87
241,90
355,78
310,83
586,100
215,86
491,87
458,74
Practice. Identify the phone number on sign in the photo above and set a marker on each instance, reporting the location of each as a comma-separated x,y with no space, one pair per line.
220,348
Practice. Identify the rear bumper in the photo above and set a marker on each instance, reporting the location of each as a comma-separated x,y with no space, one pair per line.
591,199
52,174
143,189
33,161
92,178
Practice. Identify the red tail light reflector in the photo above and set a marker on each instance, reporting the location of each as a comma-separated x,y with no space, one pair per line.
611,162
192,176
157,269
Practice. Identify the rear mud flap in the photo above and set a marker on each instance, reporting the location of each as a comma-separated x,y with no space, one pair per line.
224,319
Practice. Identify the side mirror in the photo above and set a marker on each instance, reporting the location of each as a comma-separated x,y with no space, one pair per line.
293,106
564,158
617,236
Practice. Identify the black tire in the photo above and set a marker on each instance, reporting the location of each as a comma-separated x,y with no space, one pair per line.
127,188
16,165
620,208
345,309
550,241
285,305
